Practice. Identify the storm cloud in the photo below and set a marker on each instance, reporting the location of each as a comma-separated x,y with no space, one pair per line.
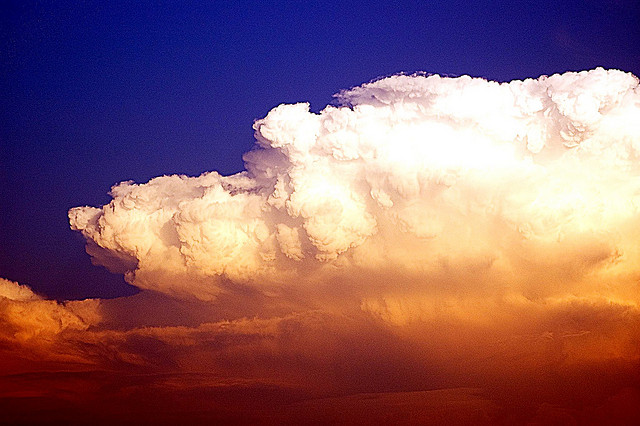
422,233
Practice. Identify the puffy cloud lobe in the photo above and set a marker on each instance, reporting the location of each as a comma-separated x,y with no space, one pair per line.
26,315
38,330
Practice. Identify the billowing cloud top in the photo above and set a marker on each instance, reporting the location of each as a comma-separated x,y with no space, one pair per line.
409,174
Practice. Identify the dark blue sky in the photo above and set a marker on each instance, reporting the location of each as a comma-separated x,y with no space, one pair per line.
94,93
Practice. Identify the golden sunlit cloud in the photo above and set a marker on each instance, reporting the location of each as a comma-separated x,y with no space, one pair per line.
426,233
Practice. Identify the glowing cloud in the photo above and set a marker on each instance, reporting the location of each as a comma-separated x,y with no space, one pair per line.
409,173
425,233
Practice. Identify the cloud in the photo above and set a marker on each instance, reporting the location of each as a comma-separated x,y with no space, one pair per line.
35,332
414,172
27,316
423,233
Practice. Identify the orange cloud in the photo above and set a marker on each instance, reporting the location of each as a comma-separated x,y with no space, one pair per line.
432,249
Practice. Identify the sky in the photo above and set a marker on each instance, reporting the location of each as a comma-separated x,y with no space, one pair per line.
264,211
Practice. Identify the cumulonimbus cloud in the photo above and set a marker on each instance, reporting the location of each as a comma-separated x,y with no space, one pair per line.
424,232
409,173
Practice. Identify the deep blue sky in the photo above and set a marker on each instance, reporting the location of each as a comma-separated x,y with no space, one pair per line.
94,93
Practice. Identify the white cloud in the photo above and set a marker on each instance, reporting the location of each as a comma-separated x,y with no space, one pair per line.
418,171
